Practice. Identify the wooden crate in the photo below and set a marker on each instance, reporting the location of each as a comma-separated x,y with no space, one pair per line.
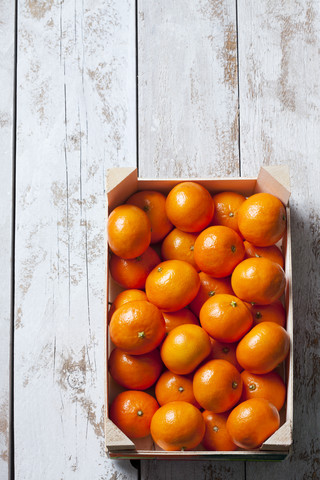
123,182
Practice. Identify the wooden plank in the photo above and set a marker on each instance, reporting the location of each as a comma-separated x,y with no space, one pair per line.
188,100
279,76
188,123
7,65
76,118
193,469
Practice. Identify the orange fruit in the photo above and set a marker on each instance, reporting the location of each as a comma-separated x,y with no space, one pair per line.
135,372
172,387
132,412
217,385
137,327
258,280
172,285
251,422
226,206
225,318
129,231
224,351
177,426
262,219
132,273
269,386
274,312
128,296
154,205
125,297
263,348
209,286
180,317
184,348
216,436
179,245
189,206
218,250
273,253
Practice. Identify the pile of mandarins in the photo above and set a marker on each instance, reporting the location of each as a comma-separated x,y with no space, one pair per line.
200,319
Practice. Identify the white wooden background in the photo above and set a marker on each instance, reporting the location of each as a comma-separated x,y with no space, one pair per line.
224,86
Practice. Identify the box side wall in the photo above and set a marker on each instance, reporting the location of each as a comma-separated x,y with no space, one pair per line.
271,455
274,180
118,193
289,309
245,186
282,438
118,188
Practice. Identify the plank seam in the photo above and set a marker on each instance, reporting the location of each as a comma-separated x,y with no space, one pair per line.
137,84
238,85
11,470
239,139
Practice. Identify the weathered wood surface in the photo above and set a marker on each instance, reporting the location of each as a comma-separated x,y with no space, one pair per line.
188,88
188,124
7,65
279,71
76,118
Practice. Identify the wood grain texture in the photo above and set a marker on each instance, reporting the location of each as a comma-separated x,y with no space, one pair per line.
188,124
7,65
188,97
279,71
194,470
76,118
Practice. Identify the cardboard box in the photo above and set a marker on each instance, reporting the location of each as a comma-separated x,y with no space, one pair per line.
123,182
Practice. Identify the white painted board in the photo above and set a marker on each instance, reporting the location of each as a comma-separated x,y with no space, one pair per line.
7,65
188,88
279,71
188,124
76,118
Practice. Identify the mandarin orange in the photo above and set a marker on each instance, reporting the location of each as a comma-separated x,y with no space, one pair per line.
226,209
258,280
172,285
224,351
171,387
135,372
184,348
137,327
269,386
273,252
251,422
274,312
154,205
132,412
216,436
125,297
129,231
180,317
262,219
132,273
177,426
225,318
209,286
128,296
179,245
189,206
218,250
263,348
217,385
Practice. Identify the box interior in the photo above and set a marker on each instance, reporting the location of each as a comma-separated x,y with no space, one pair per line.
119,189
